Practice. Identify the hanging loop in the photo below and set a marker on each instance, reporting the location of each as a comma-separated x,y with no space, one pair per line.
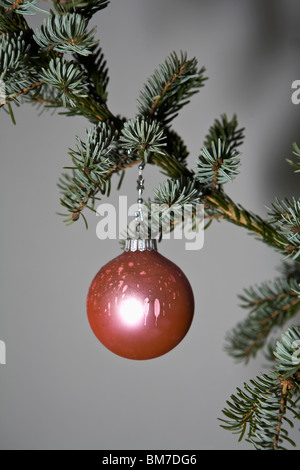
139,216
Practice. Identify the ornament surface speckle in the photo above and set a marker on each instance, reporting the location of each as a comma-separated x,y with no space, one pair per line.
140,305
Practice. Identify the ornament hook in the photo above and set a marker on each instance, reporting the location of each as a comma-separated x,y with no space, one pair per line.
139,216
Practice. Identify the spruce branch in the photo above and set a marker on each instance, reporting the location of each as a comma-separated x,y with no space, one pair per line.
261,410
97,72
12,22
270,306
65,82
66,34
67,78
143,137
218,166
287,353
219,205
13,54
92,110
170,87
295,163
222,205
140,137
95,160
16,70
175,146
285,215
227,131
170,165
22,7
20,92
72,86
175,204
92,160
178,192
86,8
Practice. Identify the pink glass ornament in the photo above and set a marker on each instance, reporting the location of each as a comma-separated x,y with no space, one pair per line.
140,305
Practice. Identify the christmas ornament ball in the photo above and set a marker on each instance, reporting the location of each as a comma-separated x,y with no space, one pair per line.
140,305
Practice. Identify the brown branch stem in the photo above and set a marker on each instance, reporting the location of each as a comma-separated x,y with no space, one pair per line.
167,86
22,91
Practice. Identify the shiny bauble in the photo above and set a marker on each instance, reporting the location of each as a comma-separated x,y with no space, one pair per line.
140,305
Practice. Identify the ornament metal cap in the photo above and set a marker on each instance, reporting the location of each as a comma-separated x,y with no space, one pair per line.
140,244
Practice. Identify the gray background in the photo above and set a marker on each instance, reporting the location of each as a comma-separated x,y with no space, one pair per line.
60,389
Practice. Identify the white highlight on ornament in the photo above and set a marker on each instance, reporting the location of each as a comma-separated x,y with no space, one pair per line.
156,309
146,309
131,311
